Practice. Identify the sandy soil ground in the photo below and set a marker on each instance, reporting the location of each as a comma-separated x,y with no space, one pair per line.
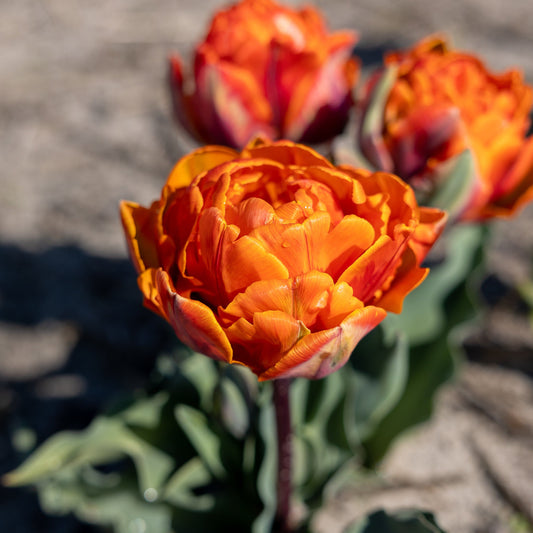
85,122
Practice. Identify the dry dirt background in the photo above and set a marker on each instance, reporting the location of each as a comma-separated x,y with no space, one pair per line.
85,122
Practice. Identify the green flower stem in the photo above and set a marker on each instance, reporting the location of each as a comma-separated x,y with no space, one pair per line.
283,488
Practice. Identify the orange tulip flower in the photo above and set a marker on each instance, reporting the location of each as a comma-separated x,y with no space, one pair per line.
434,114
275,259
269,70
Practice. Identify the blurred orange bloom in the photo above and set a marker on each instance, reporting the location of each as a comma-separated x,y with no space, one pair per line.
269,70
275,259
434,104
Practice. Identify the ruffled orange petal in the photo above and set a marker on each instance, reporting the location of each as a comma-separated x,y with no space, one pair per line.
341,303
408,277
147,282
245,261
431,225
287,242
344,244
367,274
302,298
194,164
260,344
194,322
318,354
284,152
141,227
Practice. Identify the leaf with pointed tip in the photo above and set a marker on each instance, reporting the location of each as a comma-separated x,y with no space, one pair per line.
455,180
104,441
370,135
206,442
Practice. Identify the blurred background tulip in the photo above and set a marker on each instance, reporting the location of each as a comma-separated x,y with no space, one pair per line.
266,69
455,131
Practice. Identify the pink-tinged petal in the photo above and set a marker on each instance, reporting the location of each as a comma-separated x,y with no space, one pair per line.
425,134
142,234
181,102
194,322
319,109
246,261
318,354
233,108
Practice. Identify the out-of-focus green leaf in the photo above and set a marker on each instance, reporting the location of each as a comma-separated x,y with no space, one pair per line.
433,361
423,316
455,179
317,453
266,479
145,412
234,408
371,137
180,488
408,521
204,440
377,376
104,441
201,372
119,507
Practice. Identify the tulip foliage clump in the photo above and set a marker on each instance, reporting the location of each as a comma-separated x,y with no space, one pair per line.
349,276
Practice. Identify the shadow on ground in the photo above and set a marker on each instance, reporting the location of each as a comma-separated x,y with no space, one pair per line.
94,344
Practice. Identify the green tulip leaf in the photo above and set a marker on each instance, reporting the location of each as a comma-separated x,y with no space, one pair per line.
180,487
145,412
234,408
431,364
206,443
202,373
423,316
455,180
104,441
408,521
371,138
377,376
266,479
120,507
